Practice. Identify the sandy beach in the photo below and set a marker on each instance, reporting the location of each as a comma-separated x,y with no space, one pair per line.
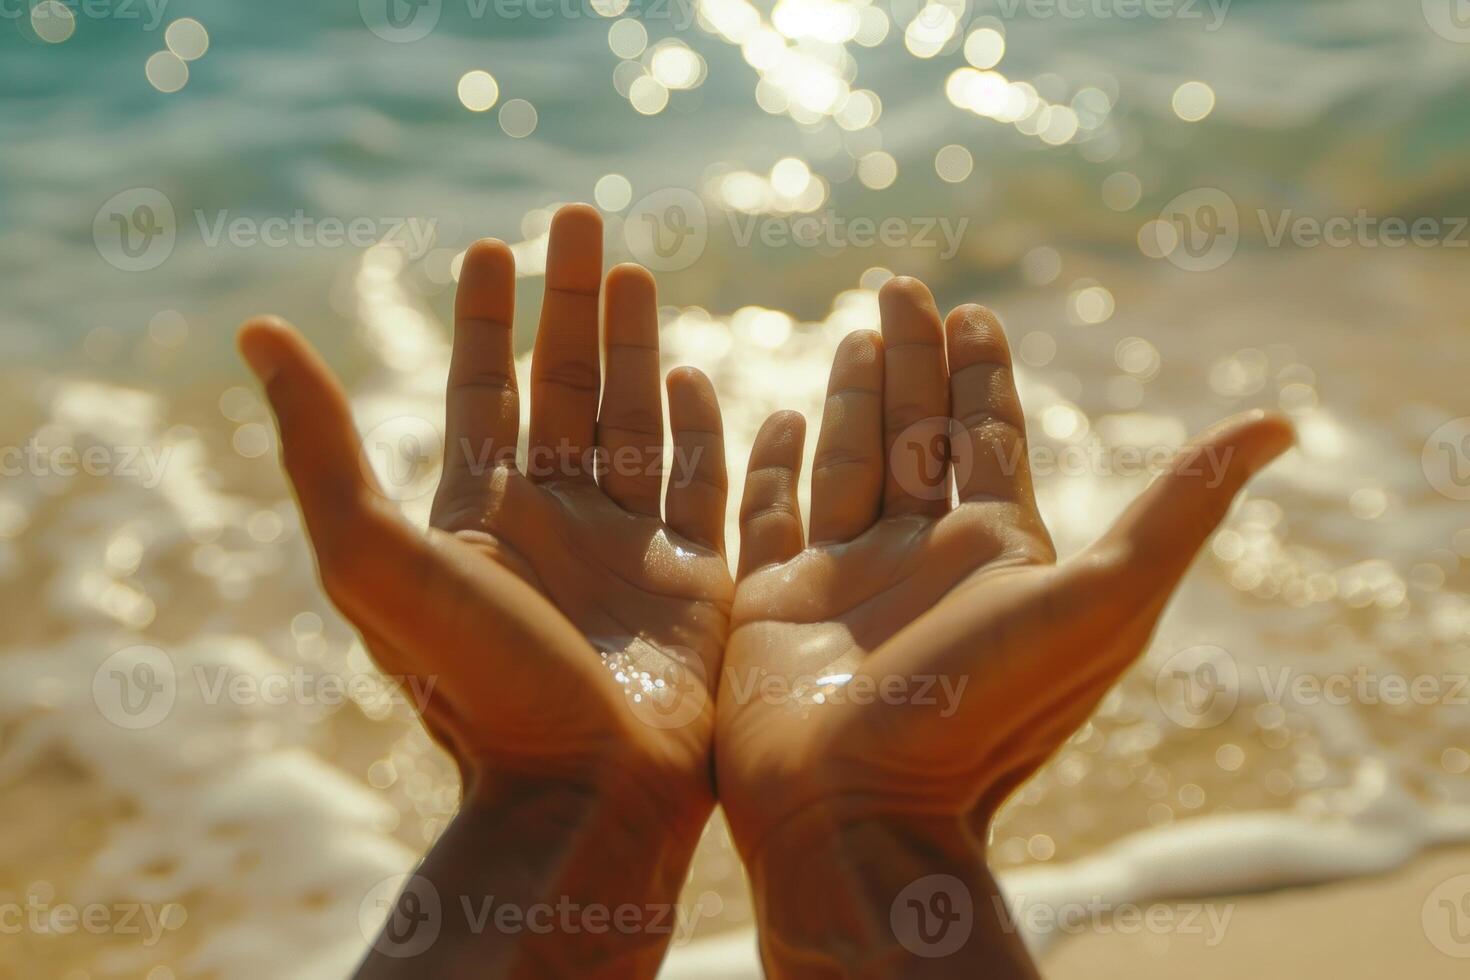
1364,929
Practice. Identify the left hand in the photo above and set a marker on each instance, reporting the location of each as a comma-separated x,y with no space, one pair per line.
547,606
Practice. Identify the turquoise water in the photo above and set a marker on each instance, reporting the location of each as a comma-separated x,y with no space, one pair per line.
1324,107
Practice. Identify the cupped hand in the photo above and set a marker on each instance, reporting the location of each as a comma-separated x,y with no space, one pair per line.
921,657
570,626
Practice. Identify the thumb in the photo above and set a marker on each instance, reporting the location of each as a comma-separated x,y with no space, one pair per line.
1158,536
319,441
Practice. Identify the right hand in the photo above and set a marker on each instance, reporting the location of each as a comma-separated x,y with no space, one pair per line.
978,654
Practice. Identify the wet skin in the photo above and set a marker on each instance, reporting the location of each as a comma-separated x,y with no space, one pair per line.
546,607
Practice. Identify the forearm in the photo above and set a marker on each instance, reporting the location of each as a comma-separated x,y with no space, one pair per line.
845,893
542,880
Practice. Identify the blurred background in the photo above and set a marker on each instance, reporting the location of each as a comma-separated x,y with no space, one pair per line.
1179,208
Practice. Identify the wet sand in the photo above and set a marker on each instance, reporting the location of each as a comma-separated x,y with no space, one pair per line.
1363,929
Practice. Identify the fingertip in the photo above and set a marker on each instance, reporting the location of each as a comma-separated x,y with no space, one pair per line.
971,320
486,246
861,346
689,379
782,430
1259,435
908,316
858,363
574,251
1274,422
904,291
259,341
487,255
688,374
577,217
974,335
630,287
264,323
631,274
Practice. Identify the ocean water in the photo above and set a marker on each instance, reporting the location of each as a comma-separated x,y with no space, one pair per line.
1134,256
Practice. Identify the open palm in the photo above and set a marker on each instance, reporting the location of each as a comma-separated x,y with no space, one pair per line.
566,624
922,657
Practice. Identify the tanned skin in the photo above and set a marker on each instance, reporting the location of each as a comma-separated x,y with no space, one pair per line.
596,673
976,653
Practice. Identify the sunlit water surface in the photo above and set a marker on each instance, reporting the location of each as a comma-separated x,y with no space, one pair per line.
261,829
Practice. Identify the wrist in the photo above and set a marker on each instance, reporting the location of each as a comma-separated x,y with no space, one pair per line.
665,809
848,887
547,875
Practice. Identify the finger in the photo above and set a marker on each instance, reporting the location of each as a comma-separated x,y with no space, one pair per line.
565,374
630,429
1157,537
339,498
770,516
407,592
698,486
991,463
319,441
915,400
482,404
847,474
